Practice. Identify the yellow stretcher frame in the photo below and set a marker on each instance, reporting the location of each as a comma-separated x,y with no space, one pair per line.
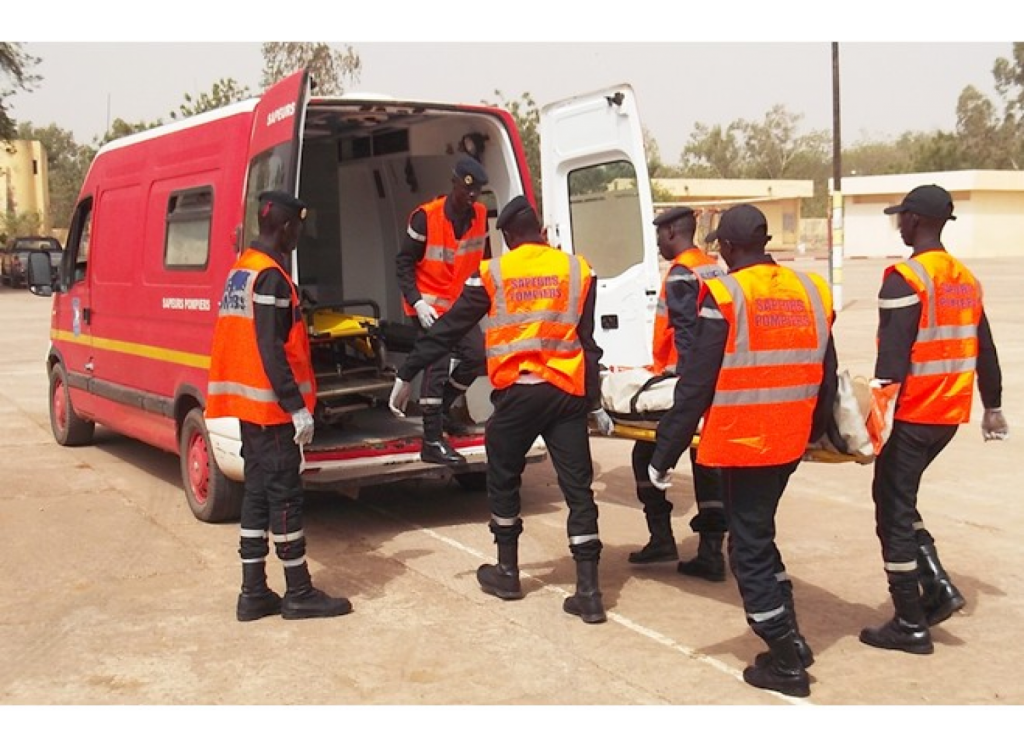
649,434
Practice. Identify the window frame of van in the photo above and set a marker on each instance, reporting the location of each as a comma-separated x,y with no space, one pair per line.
186,208
75,263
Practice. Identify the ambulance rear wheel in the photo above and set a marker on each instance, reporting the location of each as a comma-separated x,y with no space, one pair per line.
68,428
212,496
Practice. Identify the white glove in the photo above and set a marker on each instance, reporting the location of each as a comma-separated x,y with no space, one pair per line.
426,313
399,398
303,422
659,479
993,426
602,421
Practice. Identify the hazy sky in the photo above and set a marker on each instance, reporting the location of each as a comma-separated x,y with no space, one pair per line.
887,87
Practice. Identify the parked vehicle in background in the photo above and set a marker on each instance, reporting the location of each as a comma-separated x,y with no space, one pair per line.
14,258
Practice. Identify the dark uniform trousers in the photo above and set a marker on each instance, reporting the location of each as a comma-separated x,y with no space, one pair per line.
469,351
522,413
710,517
898,469
752,497
273,492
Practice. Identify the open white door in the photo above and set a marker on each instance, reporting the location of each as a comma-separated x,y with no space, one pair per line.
597,202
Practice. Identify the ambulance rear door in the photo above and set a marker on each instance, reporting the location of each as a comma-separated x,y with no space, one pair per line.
597,202
275,145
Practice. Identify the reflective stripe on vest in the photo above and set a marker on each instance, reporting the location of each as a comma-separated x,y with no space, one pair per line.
701,267
763,408
238,385
939,386
537,295
448,262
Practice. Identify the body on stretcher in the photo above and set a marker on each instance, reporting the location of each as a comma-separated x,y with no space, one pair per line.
636,399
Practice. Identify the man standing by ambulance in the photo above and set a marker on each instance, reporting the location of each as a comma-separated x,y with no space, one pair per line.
543,363
762,373
444,242
932,336
675,325
261,373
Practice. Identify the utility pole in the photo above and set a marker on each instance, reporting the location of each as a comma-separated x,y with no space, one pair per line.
835,235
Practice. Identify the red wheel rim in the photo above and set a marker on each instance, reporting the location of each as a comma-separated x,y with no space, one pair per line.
60,404
198,467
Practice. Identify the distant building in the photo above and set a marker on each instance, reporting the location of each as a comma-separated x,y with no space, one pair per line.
780,201
25,182
988,205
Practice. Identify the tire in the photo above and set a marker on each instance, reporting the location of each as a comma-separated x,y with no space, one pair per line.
473,482
211,495
68,428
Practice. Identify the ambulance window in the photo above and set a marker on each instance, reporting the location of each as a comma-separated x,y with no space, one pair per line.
604,213
187,244
78,242
268,170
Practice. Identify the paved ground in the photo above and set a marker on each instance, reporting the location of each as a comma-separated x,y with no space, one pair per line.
115,595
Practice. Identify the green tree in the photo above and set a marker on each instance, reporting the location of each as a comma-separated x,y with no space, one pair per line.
67,161
772,149
15,66
713,152
1009,80
329,68
18,224
223,92
873,157
775,150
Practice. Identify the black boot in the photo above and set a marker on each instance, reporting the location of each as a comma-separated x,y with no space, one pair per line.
502,580
908,630
803,649
939,597
782,671
662,545
303,600
436,450
709,563
256,600
586,603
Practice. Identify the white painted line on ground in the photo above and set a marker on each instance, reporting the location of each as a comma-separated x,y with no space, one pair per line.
633,626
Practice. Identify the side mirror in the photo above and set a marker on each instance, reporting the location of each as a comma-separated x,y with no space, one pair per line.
40,273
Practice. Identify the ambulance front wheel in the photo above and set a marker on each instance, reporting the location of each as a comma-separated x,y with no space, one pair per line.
211,495
68,428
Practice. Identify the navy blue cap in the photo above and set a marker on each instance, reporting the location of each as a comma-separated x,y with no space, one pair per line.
470,172
667,217
283,200
741,224
926,200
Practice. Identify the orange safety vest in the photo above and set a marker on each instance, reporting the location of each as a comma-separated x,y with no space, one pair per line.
537,296
939,387
238,386
779,327
447,262
703,267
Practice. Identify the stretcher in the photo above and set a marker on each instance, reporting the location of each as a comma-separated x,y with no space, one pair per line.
636,399
349,358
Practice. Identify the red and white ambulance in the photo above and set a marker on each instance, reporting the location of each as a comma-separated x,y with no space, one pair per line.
162,215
